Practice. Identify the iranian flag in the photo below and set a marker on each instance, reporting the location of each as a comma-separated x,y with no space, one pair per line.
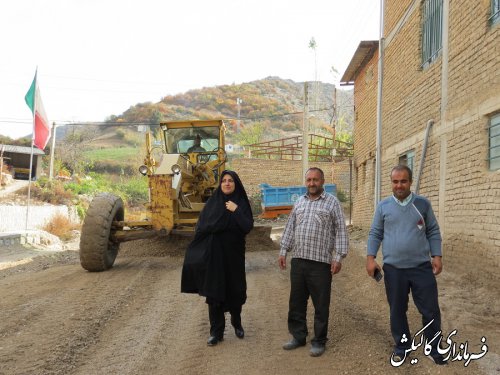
41,127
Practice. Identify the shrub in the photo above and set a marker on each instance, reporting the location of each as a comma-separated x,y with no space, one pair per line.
342,195
81,211
135,190
60,226
51,191
89,186
80,190
120,133
256,203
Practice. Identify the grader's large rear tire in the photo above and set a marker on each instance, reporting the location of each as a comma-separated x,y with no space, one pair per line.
97,251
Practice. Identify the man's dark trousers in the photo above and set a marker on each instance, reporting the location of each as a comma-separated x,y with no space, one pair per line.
422,283
309,278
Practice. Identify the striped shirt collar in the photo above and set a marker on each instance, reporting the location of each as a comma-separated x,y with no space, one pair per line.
322,195
405,201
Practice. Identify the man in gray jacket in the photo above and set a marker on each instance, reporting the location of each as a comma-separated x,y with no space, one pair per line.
406,227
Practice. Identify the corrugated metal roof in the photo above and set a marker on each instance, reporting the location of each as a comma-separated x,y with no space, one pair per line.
21,149
363,54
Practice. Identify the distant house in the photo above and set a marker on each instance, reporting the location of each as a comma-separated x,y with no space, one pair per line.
441,78
18,158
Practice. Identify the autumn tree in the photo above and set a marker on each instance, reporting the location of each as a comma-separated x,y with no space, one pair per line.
70,152
250,134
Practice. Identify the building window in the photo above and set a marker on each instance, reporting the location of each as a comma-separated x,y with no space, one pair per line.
494,149
432,30
408,159
495,11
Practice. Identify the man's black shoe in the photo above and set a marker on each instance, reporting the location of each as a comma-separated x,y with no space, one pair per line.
317,350
293,344
239,332
214,340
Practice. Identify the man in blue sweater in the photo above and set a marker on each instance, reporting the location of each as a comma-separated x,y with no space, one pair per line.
406,227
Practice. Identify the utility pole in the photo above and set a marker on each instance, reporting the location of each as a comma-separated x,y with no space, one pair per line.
313,45
238,103
335,114
378,143
334,130
51,167
305,133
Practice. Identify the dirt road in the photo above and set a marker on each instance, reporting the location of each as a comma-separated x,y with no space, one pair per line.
56,318
13,187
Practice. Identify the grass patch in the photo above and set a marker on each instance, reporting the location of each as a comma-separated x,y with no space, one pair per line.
133,190
112,154
90,185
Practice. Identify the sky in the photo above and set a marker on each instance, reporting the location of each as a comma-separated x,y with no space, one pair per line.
97,58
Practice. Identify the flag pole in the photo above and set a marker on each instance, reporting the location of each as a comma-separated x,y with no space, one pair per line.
51,168
31,156
29,184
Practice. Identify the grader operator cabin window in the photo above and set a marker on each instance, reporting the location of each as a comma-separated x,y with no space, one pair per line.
179,141
494,149
432,30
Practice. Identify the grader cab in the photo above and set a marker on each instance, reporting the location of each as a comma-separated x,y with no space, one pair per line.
183,172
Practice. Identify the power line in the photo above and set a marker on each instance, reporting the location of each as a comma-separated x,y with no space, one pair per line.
135,123
7,121
280,114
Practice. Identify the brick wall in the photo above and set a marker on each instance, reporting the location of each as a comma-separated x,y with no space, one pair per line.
365,105
397,11
343,176
459,90
286,173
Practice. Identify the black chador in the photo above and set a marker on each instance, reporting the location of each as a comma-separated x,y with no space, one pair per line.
214,263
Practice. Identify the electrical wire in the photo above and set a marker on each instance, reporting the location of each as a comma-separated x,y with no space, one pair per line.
135,123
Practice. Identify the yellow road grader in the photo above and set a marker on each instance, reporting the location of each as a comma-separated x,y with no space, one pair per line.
183,172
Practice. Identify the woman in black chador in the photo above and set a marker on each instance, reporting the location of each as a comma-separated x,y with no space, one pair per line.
214,265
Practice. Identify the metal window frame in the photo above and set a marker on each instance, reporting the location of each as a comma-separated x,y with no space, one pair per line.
493,161
432,30
408,159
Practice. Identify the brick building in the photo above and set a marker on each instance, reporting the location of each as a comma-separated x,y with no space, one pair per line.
441,77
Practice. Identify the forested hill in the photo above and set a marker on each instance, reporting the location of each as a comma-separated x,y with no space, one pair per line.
272,103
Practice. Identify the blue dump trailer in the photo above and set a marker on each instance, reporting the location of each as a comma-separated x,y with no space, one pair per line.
279,200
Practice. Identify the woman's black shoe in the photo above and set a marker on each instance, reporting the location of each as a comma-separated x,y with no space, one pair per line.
213,340
239,332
